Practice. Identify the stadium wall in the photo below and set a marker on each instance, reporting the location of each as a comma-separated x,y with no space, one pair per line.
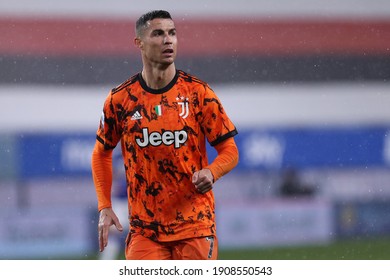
254,42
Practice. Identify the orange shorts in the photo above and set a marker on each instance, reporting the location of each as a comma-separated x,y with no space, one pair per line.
200,248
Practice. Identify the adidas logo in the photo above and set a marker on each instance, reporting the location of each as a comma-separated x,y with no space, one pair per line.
136,116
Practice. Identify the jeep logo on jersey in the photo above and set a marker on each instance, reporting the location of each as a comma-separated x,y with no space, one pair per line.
176,138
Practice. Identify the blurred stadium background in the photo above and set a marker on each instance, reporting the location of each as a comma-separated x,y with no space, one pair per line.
306,82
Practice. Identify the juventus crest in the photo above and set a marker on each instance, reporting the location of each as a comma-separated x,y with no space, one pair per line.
184,106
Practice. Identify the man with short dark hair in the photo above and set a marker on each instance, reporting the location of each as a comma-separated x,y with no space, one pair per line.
162,117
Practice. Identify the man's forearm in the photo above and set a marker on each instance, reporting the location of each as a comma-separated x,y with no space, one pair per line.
102,175
226,159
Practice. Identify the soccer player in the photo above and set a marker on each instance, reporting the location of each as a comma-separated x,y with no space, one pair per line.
162,118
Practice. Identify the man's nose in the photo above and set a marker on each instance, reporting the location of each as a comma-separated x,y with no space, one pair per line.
167,39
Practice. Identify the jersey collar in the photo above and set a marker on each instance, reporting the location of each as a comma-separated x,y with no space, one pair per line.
161,90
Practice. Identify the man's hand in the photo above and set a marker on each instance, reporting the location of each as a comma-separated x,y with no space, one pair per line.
107,218
203,180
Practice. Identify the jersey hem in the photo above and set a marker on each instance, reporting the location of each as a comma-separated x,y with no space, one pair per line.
224,137
106,146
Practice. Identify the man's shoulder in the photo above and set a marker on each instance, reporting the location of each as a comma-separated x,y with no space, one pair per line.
191,79
130,81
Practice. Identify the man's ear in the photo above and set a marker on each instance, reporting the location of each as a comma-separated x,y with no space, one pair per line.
138,43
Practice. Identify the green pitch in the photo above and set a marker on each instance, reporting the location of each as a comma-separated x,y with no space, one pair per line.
351,249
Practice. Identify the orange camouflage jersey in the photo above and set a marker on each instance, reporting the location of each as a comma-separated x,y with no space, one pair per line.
162,134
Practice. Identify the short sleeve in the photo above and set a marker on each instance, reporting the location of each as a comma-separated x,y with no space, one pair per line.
215,122
109,132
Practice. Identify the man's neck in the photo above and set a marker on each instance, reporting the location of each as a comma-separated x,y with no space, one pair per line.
156,78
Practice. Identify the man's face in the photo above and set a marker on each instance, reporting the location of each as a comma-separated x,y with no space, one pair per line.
159,42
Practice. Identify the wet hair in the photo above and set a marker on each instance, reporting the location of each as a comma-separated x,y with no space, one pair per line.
141,23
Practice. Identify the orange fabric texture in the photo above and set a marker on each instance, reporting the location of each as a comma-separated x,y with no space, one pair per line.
226,160
201,248
102,174
162,135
